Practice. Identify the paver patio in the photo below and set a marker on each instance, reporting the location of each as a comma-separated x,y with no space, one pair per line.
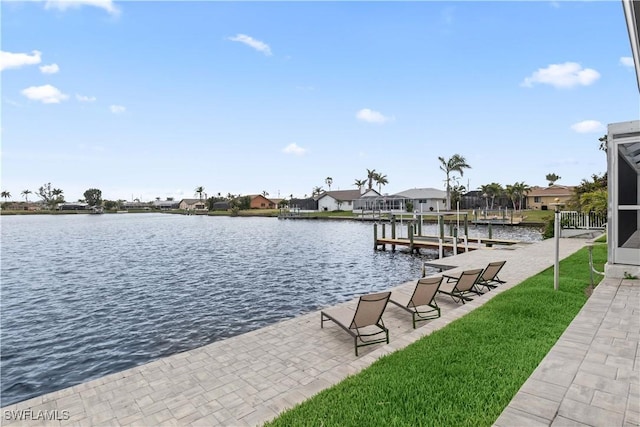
251,378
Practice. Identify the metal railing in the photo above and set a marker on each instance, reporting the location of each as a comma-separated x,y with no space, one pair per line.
582,220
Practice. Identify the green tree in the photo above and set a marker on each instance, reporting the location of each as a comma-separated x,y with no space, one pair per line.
492,191
456,163
370,177
595,201
316,191
5,195
360,183
596,184
93,197
603,142
50,196
26,193
457,191
328,180
552,178
110,204
380,181
199,191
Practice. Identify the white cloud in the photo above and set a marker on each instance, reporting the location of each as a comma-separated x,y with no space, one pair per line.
370,116
565,75
47,94
627,61
250,41
588,126
49,69
17,60
67,4
83,98
294,149
117,109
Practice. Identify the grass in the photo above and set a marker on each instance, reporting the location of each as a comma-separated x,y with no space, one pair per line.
466,373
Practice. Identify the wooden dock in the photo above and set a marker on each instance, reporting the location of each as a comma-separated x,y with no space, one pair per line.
433,242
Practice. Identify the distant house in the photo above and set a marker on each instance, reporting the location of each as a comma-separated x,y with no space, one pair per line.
308,204
258,201
192,204
475,200
342,200
72,206
425,199
136,205
277,202
542,197
166,204
221,206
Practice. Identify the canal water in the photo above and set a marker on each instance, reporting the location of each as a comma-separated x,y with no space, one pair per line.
84,296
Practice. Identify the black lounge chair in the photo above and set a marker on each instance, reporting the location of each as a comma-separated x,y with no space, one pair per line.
365,322
421,303
458,288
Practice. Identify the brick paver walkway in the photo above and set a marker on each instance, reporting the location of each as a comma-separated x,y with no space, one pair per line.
251,378
591,377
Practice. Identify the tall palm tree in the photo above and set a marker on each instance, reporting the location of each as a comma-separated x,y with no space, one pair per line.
328,180
26,193
512,193
456,163
370,176
360,183
316,191
522,190
5,195
380,181
199,190
265,193
492,191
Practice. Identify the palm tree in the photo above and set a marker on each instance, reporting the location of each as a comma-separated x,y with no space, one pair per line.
522,190
265,193
328,180
380,181
360,183
316,191
5,195
492,190
512,193
370,176
199,190
456,163
26,193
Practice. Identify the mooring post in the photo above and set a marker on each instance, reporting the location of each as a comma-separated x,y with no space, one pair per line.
375,236
466,225
490,245
410,231
384,234
420,227
441,226
455,245
393,232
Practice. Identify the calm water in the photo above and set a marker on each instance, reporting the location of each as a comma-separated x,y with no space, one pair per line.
88,295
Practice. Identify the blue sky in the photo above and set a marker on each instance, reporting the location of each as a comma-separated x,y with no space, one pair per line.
152,99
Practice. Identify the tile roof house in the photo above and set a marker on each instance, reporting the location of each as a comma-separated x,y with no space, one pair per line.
342,200
192,204
258,201
542,197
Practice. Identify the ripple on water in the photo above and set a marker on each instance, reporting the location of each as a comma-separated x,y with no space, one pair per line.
85,296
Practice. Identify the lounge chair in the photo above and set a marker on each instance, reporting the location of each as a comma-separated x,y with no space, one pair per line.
421,304
489,277
458,288
363,324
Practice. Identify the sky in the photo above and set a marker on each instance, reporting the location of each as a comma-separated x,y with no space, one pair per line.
153,99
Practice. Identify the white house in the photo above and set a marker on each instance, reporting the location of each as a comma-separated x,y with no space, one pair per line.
341,200
425,199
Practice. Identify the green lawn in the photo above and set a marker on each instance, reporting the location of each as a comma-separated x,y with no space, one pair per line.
465,373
